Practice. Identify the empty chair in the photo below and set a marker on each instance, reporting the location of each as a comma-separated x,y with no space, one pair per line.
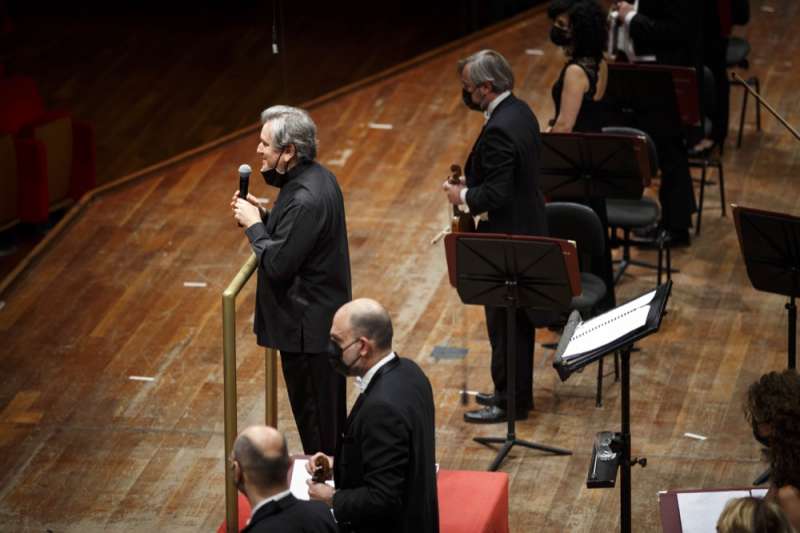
579,223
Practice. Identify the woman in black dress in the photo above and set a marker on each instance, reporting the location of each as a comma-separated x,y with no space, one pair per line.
580,29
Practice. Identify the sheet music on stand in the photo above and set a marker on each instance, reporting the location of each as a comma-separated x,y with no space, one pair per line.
584,342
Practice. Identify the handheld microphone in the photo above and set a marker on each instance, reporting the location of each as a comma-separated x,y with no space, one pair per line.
244,179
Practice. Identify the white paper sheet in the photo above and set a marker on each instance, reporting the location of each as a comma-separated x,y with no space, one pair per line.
606,331
700,510
300,476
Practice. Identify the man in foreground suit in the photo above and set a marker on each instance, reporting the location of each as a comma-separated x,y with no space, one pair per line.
502,185
260,462
384,468
303,270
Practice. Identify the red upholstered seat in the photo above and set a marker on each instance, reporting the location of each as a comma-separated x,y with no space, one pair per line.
54,153
469,501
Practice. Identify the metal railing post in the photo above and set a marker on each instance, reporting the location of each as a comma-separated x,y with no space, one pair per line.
271,386
229,366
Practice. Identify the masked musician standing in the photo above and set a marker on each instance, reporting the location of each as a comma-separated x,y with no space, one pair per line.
502,185
384,468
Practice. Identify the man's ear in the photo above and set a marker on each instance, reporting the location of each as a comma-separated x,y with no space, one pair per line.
237,472
290,152
367,344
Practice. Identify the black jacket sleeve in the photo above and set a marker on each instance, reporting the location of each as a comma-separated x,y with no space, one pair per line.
281,253
497,188
384,451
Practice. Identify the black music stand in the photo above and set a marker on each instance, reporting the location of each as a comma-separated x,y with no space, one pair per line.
770,244
662,100
590,167
565,366
584,166
512,272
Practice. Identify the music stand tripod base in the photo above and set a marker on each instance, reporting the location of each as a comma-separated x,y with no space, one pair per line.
513,272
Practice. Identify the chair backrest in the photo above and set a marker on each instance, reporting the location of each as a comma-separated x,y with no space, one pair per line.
579,223
9,184
708,92
20,103
633,132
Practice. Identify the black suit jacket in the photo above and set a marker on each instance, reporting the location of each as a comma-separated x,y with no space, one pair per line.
289,515
303,262
502,172
385,461
668,29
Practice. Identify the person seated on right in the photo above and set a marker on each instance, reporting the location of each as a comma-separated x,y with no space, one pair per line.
753,515
773,409
580,29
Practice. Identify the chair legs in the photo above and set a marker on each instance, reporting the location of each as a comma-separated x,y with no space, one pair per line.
704,169
626,261
721,175
717,164
755,82
663,249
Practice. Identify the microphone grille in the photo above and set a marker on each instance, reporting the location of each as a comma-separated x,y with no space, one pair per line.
245,169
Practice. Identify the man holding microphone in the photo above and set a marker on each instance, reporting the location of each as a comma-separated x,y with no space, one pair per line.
303,270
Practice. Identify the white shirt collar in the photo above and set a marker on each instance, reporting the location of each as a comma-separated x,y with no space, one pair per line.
363,382
625,41
273,498
494,103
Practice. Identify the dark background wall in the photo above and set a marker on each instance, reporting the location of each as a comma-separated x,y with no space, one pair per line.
159,78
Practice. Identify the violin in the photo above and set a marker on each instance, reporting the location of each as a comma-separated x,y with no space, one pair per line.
322,470
462,221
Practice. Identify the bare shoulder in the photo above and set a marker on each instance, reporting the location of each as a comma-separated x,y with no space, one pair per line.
575,77
787,495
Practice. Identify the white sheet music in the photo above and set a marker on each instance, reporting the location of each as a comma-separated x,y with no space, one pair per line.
607,327
700,511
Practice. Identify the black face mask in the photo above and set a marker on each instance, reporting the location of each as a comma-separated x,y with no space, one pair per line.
560,36
272,176
466,96
336,358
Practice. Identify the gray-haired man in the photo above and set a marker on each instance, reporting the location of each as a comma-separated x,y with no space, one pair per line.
502,181
303,270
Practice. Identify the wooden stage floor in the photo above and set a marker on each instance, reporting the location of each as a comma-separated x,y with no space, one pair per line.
85,448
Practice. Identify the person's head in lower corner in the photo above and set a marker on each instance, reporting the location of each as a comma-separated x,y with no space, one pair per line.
260,463
752,515
773,410
361,335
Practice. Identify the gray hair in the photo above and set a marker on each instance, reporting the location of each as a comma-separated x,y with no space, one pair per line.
292,125
491,66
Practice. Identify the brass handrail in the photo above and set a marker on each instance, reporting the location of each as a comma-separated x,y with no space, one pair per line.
229,380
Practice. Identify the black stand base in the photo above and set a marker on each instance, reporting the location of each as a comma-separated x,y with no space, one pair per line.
509,442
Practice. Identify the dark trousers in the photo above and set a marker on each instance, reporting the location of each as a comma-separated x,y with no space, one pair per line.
497,324
318,400
676,194
714,58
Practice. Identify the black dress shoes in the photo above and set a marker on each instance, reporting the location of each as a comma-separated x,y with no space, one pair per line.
492,415
484,398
